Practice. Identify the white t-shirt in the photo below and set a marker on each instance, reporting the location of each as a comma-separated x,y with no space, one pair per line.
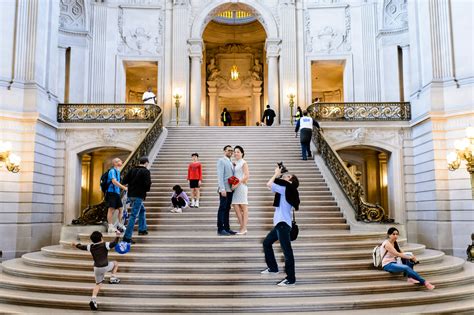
148,98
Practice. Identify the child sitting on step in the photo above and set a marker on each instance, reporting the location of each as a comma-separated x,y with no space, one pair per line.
195,178
99,250
179,199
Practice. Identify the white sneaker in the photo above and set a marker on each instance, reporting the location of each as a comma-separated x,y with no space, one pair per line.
268,272
179,210
174,210
192,203
112,229
196,205
285,283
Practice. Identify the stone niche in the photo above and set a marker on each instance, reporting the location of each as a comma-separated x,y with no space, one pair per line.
238,95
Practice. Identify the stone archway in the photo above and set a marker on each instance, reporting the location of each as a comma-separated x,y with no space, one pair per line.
196,46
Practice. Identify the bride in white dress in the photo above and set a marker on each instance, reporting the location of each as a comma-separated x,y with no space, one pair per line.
239,198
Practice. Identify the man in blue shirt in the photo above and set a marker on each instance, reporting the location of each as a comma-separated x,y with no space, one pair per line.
112,195
282,227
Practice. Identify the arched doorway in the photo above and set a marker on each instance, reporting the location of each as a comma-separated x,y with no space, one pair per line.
234,74
212,87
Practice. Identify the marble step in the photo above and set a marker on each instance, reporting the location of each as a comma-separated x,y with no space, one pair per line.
322,259
244,290
242,247
248,305
41,267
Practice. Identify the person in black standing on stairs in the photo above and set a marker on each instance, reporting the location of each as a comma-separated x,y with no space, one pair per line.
226,118
225,170
138,180
268,116
305,127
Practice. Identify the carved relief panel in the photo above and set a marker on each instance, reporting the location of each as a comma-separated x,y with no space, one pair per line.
72,15
141,30
327,31
395,15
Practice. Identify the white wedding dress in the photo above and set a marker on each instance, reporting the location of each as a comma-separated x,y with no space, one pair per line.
240,193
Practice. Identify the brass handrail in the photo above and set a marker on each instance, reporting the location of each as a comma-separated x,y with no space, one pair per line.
352,189
360,111
108,113
97,214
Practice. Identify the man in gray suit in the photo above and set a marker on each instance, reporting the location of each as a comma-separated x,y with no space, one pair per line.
225,170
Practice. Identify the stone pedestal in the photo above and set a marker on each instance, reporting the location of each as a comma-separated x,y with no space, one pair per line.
256,93
213,110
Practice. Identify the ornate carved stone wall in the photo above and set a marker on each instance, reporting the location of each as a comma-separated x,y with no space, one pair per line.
72,15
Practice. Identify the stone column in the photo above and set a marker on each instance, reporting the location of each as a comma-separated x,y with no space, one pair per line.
213,110
195,52
272,46
256,93
180,61
288,60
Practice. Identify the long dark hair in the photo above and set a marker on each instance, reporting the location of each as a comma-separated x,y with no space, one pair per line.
177,189
390,232
238,147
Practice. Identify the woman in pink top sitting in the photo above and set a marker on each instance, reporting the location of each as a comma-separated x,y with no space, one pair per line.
390,252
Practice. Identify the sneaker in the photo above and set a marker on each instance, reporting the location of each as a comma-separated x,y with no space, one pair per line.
412,281
114,280
121,228
174,210
268,272
179,210
196,205
112,229
93,305
192,203
285,283
143,232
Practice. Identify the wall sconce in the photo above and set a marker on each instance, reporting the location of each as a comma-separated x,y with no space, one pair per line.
10,160
177,95
464,151
291,95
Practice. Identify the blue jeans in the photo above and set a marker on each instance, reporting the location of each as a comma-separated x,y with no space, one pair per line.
223,212
305,150
280,232
138,209
406,268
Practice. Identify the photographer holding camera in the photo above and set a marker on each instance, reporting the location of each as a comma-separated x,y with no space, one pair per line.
285,188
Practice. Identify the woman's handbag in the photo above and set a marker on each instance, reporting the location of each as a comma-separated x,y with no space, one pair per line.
294,228
233,180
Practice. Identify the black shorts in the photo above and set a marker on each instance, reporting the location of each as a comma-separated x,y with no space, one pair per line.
194,183
113,200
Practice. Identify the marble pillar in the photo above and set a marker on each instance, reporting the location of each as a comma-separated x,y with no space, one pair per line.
273,51
195,53
256,94
213,110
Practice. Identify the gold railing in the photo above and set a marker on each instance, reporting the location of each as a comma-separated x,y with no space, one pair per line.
361,111
353,190
96,214
108,113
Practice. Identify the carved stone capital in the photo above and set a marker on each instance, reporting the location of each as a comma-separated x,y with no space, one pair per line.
272,46
195,47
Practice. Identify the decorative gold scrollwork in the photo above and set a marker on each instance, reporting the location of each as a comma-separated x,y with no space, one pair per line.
93,113
361,111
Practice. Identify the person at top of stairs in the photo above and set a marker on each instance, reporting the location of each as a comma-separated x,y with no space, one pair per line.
138,180
179,199
99,251
195,179
305,126
225,170
390,252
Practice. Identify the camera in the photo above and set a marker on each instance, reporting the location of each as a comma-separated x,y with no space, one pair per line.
282,168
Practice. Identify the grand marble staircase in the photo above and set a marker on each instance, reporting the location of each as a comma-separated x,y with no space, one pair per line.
182,266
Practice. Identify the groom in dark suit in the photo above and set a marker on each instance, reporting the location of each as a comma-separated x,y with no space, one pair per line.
225,170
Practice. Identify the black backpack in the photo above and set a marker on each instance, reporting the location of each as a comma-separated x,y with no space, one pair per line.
104,181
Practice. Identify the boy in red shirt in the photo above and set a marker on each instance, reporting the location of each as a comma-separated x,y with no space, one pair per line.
195,178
